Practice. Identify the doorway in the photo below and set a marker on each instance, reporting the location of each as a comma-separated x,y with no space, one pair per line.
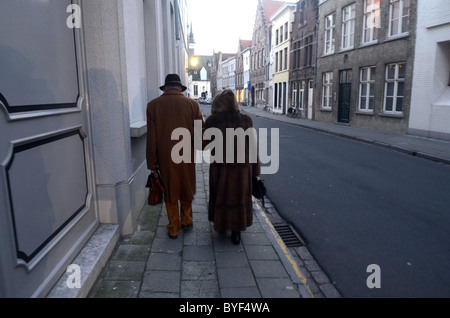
345,93
310,99
252,93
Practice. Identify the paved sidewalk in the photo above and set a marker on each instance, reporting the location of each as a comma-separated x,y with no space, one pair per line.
205,264
427,148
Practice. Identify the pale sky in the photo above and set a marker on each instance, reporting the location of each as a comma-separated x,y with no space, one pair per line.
218,24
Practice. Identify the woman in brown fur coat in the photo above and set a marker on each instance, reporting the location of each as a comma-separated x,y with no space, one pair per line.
230,201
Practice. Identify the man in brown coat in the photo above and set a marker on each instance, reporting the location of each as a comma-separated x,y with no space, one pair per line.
165,114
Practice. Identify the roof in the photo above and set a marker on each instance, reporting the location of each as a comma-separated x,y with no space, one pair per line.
271,7
285,6
244,44
204,61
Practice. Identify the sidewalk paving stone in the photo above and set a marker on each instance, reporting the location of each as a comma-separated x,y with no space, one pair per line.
200,263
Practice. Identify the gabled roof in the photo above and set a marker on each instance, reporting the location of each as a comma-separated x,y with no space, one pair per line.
285,6
244,44
227,56
270,7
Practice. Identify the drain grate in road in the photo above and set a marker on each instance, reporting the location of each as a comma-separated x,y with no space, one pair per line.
289,237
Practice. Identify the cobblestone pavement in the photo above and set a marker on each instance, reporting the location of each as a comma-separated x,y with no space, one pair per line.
202,263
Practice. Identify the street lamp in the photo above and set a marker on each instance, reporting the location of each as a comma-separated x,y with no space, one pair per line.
194,61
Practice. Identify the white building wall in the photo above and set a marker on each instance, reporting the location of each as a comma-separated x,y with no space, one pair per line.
130,46
135,61
125,48
246,58
232,74
282,18
430,99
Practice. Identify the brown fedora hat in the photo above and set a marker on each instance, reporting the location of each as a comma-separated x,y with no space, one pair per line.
173,79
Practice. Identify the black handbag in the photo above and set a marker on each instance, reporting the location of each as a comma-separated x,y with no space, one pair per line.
258,189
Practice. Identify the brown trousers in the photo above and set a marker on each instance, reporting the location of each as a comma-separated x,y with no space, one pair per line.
174,213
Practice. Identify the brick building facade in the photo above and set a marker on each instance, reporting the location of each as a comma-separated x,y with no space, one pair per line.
365,63
260,53
303,57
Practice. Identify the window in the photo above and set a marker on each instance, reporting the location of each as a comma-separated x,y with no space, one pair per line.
302,14
281,35
394,88
399,17
195,90
329,33
371,20
276,62
285,58
301,94
294,95
348,26
276,37
308,51
286,31
327,90
263,58
281,61
296,54
345,76
258,59
367,89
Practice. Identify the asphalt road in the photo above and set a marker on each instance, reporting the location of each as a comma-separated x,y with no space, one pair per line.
358,204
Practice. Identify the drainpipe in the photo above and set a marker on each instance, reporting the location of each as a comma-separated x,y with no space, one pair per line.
316,35
177,21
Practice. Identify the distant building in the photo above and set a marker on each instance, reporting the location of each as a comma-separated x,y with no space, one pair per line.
247,84
260,53
430,100
365,63
216,72
281,40
228,74
242,78
200,76
302,74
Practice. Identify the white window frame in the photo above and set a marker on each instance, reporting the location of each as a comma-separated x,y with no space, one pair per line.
396,81
327,90
195,90
400,18
276,62
286,31
348,27
364,88
301,94
294,95
374,16
330,24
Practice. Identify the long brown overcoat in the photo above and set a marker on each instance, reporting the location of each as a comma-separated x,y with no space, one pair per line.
230,184
166,113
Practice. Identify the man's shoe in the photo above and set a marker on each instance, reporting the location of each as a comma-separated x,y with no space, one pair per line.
172,237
